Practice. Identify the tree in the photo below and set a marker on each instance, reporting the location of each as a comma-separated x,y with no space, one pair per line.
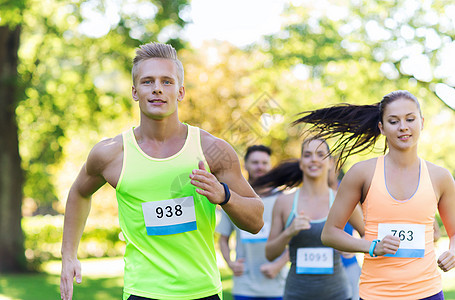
66,81
357,51
11,178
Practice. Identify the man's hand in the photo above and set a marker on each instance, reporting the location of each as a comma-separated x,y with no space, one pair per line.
237,266
207,184
70,268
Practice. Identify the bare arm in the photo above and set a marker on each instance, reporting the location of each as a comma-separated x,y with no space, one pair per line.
77,210
237,266
244,208
348,195
280,236
271,270
436,231
356,220
277,241
223,242
446,208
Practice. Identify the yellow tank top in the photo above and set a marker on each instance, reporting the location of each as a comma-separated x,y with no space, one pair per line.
413,274
168,227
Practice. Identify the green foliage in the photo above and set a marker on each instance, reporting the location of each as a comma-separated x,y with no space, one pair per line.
11,12
73,82
358,51
78,86
43,239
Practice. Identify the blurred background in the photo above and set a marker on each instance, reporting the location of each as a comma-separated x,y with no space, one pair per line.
250,67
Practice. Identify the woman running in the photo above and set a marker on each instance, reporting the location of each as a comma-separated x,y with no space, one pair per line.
298,218
399,193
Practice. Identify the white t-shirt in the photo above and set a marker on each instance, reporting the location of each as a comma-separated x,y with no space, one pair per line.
252,249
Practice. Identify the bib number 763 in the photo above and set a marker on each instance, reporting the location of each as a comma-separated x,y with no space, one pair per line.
403,235
412,238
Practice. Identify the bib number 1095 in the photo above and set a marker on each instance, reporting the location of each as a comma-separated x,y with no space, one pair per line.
315,257
314,260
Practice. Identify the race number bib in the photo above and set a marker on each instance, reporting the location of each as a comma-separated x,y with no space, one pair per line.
169,216
260,237
412,238
314,260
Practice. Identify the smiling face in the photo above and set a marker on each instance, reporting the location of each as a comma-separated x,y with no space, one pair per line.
401,124
157,88
315,162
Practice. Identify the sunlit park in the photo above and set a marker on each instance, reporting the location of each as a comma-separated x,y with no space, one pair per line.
250,67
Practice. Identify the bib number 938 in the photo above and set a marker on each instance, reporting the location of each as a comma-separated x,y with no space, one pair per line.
168,211
170,216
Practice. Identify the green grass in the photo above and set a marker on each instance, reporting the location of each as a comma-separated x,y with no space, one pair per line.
45,286
226,280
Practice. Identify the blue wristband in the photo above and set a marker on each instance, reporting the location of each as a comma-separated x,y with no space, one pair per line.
372,246
227,193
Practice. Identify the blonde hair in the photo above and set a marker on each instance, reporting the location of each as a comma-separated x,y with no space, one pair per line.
157,50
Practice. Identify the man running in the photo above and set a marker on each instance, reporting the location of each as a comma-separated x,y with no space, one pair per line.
168,176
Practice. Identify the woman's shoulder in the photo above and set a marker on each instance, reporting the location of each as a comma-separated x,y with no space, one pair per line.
286,196
285,199
438,174
364,167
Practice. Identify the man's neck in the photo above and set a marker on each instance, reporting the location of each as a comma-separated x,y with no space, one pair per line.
160,130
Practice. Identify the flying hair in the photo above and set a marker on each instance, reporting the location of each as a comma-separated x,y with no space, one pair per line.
287,174
354,127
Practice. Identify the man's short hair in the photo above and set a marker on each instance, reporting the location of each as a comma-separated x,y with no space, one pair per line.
157,50
255,148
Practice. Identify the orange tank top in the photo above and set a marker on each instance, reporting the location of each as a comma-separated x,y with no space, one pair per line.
414,273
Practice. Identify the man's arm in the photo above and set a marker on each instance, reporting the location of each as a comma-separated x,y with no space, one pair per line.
225,229
236,266
244,208
88,181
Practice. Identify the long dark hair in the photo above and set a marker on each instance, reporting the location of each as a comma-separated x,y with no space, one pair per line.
354,126
287,174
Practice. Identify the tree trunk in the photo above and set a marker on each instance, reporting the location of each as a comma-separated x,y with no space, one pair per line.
12,257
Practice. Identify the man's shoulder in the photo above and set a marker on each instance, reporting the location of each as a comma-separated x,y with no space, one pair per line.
109,145
217,151
207,137
104,152
208,141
